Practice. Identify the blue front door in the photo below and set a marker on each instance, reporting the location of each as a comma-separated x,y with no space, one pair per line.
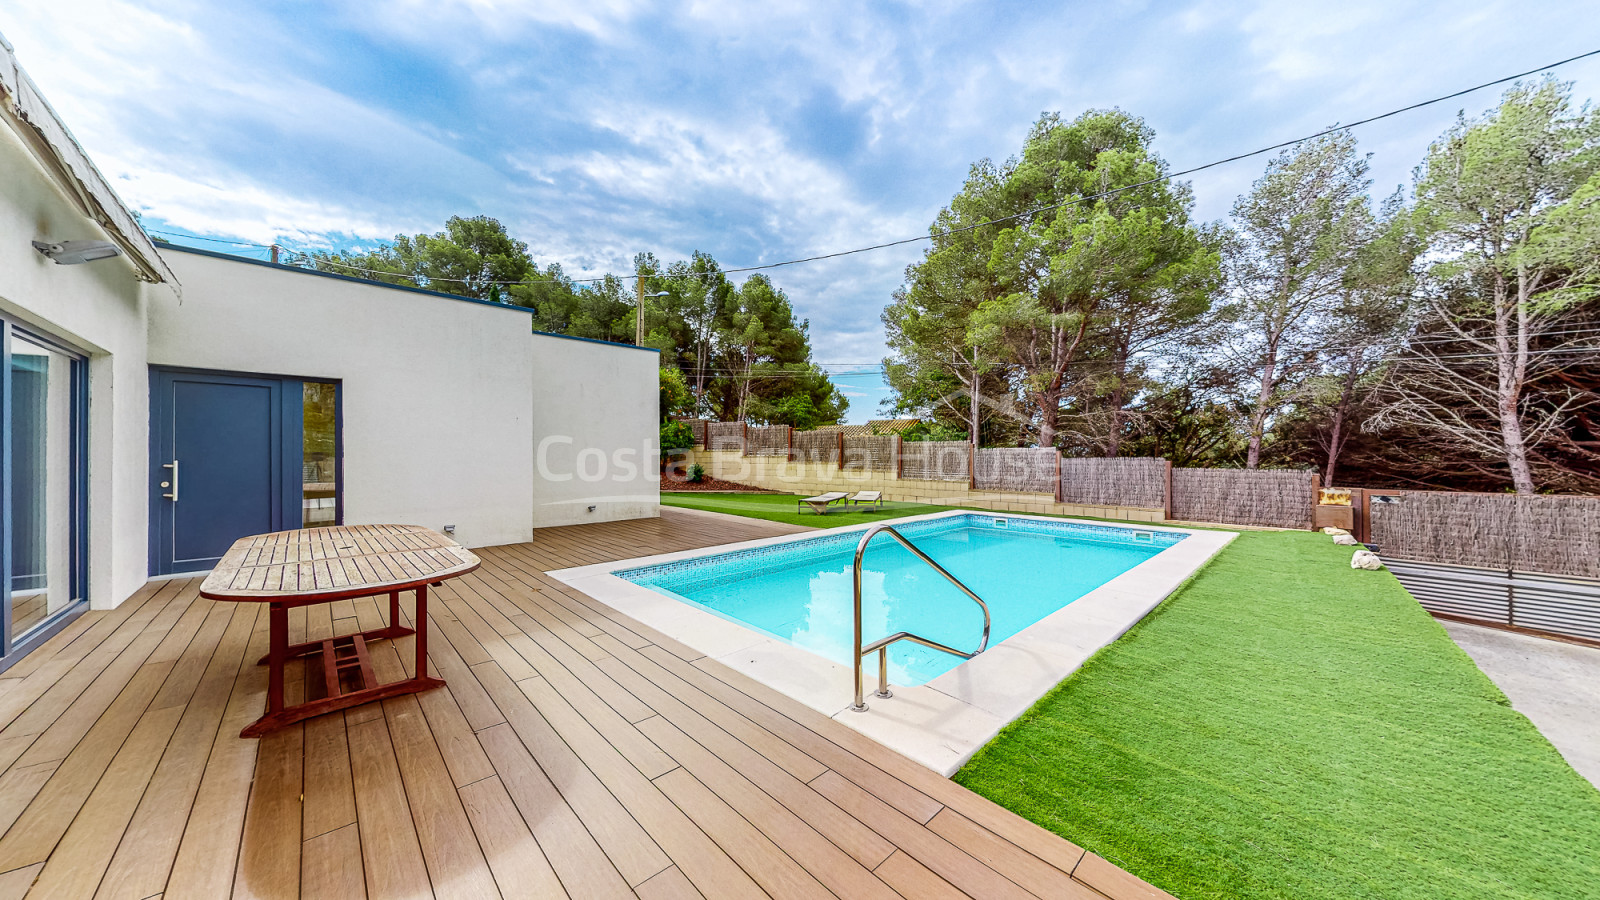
225,463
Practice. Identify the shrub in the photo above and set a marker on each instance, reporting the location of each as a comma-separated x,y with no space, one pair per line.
697,473
676,436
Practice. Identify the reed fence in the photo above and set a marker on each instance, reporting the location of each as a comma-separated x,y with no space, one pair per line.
725,436
1553,535
771,440
820,447
1270,497
869,452
936,460
1138,481
1032,470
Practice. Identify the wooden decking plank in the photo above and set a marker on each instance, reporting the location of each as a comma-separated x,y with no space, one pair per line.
520,868
469,695
331,866
913,879
828,864
693,851
390,852
1027,870
209,849
897,793
463,755
330,794
952,863
861,842
269,861
14,884
669,884
629,845
37,831
586,871
456,864
95,833
668,687
144,857
779,876
620,732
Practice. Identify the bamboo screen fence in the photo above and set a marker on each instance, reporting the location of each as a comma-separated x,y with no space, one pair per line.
817,447
1271,497
1115,482
771,440
1555,535
725,436
871,452
1016,469
936,460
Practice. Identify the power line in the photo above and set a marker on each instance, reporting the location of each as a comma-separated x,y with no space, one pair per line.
196,237
988,222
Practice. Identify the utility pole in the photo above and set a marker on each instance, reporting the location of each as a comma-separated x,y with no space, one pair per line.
638,325
638,314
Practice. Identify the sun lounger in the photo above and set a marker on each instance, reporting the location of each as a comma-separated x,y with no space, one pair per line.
819,504
873,497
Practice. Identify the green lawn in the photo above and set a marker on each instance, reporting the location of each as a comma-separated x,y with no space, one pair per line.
1287,727
781,508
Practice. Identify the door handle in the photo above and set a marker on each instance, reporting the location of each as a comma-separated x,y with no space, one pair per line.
174,467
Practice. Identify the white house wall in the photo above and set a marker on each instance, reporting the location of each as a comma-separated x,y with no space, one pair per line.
437,394
596,424
100,308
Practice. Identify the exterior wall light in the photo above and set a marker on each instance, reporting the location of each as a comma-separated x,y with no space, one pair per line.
72,253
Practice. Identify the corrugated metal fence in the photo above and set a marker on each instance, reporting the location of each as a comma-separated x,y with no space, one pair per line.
1551,603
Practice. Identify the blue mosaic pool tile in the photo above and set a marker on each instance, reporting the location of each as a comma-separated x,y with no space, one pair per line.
722,568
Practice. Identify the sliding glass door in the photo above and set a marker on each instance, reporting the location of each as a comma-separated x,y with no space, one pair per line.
44,395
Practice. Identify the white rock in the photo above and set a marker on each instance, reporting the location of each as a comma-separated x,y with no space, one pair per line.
1334,532
1365,559
1345,540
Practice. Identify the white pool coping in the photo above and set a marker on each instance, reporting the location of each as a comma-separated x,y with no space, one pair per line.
939,724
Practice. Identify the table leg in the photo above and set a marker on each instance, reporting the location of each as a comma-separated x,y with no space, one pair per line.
394,609
421,624
277,650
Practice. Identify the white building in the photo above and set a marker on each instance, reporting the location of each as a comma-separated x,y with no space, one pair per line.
162,402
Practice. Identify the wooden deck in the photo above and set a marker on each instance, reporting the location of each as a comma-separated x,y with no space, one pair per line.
574,753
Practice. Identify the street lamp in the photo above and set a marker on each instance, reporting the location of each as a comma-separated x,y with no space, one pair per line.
638,334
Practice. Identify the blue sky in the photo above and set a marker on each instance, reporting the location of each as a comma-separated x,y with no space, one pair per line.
754,132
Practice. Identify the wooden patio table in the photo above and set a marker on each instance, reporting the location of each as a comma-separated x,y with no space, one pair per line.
286,569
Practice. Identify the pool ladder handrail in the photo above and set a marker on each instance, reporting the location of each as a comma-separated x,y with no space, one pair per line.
882,645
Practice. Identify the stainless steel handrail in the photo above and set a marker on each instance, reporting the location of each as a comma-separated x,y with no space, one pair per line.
882,645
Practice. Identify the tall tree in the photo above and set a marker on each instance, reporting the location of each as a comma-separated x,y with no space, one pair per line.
1293,235
1362,330
1506,211
934,369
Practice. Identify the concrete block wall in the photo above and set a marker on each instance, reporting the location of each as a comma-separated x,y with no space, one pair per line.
776,473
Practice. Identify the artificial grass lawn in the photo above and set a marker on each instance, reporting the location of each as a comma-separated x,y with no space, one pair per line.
781,508
1285,726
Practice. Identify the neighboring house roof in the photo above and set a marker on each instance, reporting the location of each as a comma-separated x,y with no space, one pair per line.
873,426
30,115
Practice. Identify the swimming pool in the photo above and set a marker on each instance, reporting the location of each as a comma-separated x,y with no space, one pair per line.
800,591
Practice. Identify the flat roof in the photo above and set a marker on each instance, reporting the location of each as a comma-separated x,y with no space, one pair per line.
168,245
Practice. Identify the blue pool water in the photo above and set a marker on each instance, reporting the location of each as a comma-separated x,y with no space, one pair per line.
800,591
